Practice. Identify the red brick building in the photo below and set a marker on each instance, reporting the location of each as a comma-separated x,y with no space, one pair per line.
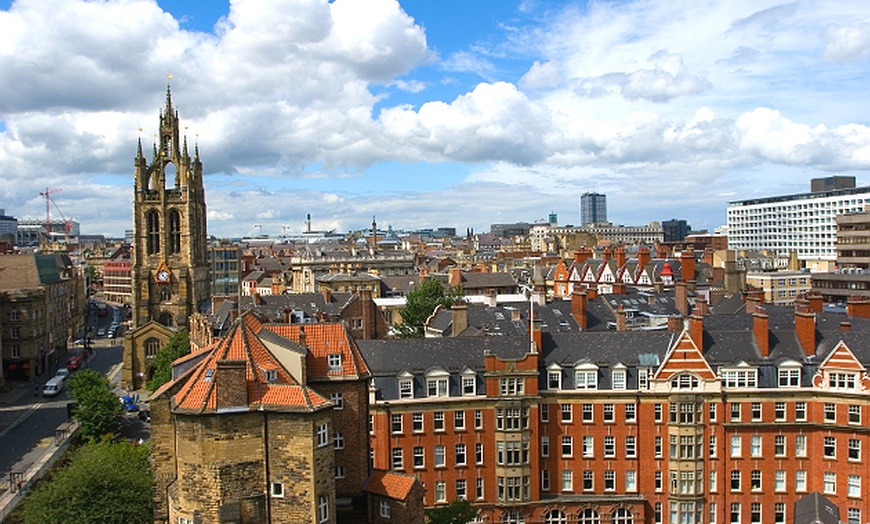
729,418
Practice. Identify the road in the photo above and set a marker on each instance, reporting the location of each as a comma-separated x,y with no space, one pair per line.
41,417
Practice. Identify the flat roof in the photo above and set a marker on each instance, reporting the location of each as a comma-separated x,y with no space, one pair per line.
802,196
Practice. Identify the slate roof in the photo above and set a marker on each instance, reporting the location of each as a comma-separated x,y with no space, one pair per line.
398,284
275,307
815,509
507,319
389,358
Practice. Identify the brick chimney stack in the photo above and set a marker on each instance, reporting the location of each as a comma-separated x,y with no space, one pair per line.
816,303
675,323
701,306
687,264
643,256
696,330
455,277
367,304
459,315
579,301
753,302
231,386
681,298
858,307
605,255
845,326
619,255
582,255
760,326
805,326
621,324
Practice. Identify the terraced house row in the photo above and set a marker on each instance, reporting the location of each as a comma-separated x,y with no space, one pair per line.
731,415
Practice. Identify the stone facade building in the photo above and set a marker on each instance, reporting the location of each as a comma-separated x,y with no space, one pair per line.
42,306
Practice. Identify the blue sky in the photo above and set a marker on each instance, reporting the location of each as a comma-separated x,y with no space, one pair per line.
434,114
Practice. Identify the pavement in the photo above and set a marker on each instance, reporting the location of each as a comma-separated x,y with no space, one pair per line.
17,403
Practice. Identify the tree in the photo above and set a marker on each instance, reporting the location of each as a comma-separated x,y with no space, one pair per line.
175,348
105,482
457,512
421,302
97,408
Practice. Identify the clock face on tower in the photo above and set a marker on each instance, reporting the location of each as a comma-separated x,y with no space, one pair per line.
162,275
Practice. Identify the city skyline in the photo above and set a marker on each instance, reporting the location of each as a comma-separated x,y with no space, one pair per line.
450,115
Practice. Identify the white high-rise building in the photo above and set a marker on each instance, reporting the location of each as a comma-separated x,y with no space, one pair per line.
804,223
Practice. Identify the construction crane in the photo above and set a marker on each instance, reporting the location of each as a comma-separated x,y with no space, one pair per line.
67,225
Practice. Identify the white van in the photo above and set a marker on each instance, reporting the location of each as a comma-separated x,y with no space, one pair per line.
53,387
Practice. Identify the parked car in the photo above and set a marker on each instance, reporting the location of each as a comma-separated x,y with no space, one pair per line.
101,332
128,404
53,387
62,373
74,363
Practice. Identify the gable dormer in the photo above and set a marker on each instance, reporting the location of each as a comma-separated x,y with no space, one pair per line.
685,357
840,371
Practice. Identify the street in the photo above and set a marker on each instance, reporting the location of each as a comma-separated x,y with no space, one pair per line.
28,422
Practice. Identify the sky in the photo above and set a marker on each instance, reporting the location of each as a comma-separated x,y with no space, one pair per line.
433,114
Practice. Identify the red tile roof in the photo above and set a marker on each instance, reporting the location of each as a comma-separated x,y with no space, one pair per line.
323,339
242,343
390,484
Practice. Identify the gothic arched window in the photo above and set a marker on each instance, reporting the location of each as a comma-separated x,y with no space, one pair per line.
152,232
165,294
165,319
174,232
152,346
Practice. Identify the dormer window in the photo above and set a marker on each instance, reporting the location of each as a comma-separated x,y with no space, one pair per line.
333,361
436,383
586,376
744,376
554,377
271,375
842,380
406,385
469,383
789,374
617,377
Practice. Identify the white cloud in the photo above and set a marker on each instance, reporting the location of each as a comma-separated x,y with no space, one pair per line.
411,86
769,135
848,42
541,75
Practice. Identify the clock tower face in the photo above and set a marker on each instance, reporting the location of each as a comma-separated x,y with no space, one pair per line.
163,275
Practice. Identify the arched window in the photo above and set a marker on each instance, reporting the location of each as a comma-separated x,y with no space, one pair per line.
622,516
165,319
588,516
152,346
152,232
555,516
684,381
165,294
174,232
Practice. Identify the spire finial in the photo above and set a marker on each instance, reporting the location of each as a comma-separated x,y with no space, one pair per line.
168,94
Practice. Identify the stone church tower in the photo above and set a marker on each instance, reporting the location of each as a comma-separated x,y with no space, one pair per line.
169,264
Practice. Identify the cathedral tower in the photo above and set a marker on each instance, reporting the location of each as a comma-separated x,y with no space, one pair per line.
169,264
